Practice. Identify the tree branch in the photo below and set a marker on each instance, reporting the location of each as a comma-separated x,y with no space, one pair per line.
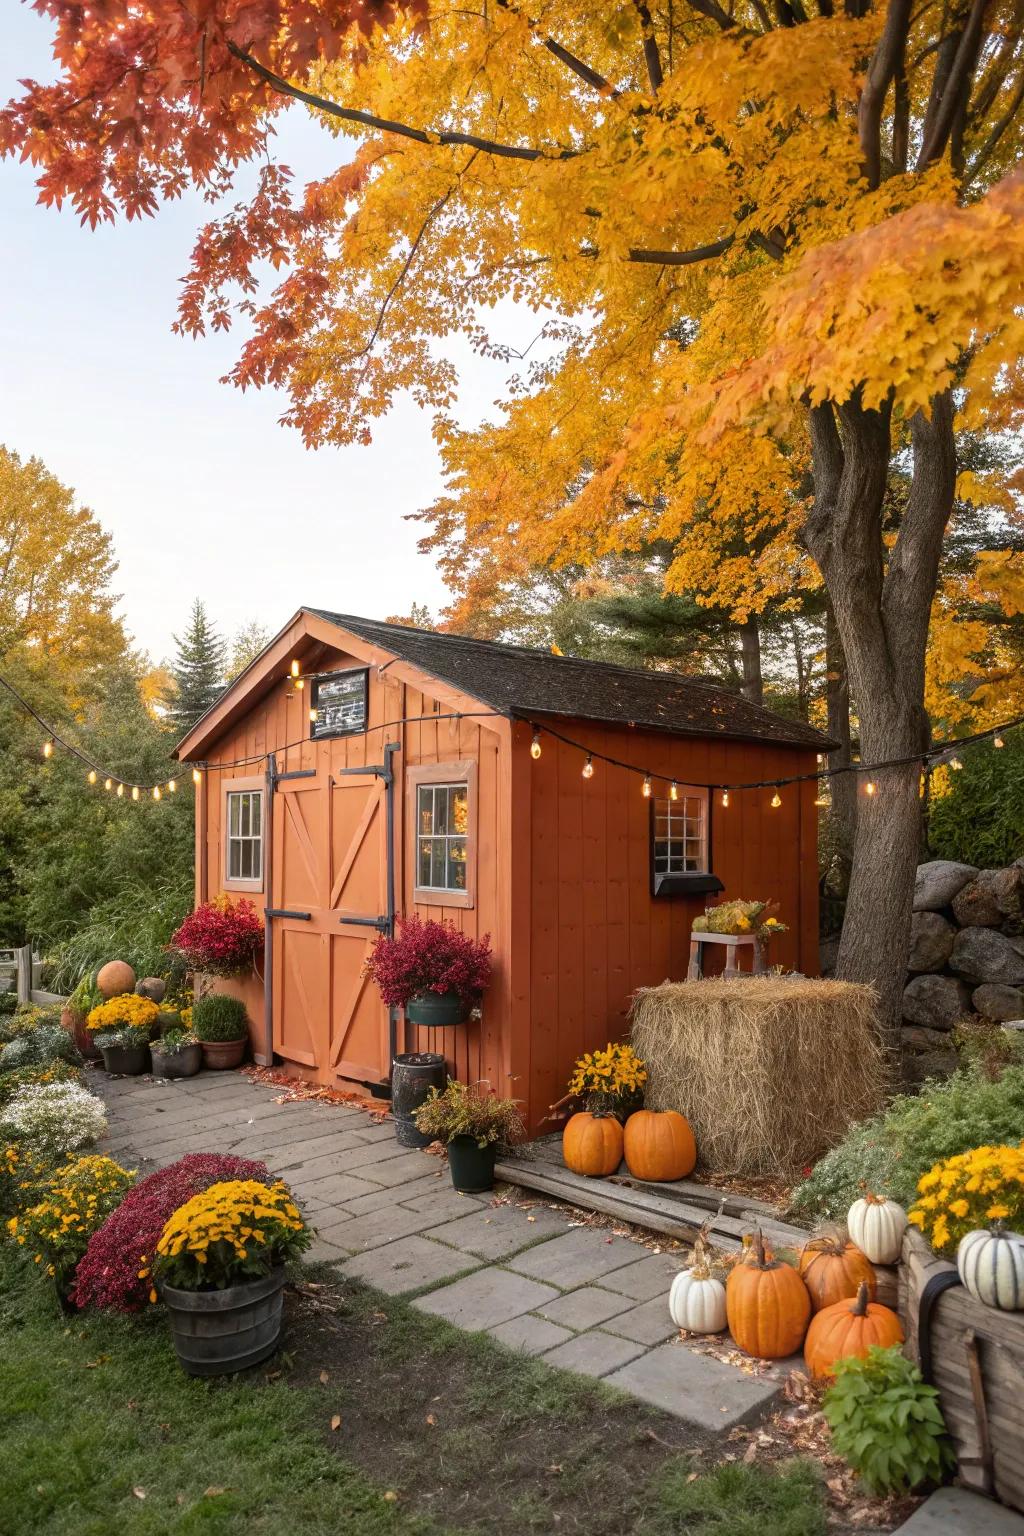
998,129
714,12
385,125
652,58
886,62
949,104
681,258
584,71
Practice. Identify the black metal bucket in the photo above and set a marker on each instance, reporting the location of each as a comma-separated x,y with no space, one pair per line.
412,1077
217,1332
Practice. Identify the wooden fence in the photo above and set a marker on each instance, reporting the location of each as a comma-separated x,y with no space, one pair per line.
24,968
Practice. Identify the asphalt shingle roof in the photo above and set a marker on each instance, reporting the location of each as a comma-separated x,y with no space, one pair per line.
515,680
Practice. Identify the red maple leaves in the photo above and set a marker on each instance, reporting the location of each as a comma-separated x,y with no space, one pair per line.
152,94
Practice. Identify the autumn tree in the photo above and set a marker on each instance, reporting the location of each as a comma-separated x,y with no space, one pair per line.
246,645
772,251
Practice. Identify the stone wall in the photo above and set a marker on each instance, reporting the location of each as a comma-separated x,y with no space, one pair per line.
966,958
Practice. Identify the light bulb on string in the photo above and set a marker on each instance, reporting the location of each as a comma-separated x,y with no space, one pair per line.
135,791
647,786
299,684
870,787
314,716
172,786
92,775
588,767
535,747
725,799
823,800
47,749
673,790
108,784
120,791
776,801
997,741
295,669
197,775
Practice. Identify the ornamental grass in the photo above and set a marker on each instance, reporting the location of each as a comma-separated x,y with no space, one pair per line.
109,1276
980,1188
234,1231
75,1200
769,1070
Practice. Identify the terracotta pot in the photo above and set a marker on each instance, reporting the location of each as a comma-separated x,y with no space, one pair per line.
220,1055
74,1022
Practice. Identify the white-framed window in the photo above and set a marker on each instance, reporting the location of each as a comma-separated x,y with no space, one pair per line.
680,833
442,836
243,849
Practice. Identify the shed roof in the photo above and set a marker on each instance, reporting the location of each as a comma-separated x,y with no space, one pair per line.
520,681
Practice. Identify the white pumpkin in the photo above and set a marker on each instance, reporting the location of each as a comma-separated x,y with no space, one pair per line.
877,1227
991,1266
697,1301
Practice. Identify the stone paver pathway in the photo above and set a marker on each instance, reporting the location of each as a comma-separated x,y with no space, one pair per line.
580,1297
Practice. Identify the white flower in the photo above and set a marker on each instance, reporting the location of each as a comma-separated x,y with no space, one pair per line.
54,1118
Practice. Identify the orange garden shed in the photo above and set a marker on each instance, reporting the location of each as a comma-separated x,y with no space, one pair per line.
358,770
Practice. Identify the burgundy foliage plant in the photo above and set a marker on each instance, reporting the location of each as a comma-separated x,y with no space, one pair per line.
108,1274
221,937
425,956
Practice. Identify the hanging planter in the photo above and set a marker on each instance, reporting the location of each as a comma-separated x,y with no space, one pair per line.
437,1010
432,970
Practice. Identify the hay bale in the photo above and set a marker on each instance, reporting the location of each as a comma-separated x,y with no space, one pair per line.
769,1071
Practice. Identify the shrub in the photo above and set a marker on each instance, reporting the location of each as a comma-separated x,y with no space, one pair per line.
890,1152
76,1200
886,1422
108,1275
37,1074
8,1004
425,956
221,937
22,1175
464,1110
977,816
127,1011
234,1231
54,1119
39,1037
219,1017
973,1190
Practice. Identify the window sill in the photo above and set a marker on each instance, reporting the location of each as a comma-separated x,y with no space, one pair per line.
436,898
686,885
248,887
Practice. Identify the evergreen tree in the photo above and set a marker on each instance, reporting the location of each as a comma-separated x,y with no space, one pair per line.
197,669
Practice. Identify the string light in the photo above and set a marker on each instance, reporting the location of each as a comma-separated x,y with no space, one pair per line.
92,775
314,716
197,776
295,669
156,791
776,800
823,800
120,791
135,791
725,799
47,749
647,786
108,784
673,791
588,767
955,762
535,748
172,786
870,787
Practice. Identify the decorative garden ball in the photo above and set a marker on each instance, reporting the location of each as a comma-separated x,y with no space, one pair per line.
153,987
115,978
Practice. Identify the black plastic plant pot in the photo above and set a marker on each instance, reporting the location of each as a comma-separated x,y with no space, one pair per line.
183,1063
472,1166
437,1010
125,1060
218,1332
412,1077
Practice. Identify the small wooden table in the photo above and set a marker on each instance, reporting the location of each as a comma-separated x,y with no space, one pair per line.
733,942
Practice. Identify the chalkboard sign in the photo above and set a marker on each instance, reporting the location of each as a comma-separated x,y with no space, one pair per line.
339,699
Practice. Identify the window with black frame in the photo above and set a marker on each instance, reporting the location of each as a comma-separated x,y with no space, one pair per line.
680,842
338,704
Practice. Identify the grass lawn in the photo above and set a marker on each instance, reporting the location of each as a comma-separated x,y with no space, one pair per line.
441,1434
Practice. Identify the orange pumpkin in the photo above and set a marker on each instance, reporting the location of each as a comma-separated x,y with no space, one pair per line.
767,1305
592,1144
832,1268
659,1145
849,1329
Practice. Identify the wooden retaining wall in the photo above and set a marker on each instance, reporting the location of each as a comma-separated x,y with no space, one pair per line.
977,1364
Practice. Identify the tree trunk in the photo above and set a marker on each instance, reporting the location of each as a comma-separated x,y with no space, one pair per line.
750,652
882,613
843,786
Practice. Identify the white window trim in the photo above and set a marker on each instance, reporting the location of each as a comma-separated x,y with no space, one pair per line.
422,774
252,785
676,809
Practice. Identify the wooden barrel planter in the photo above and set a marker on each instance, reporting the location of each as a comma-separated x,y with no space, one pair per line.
218,1332
974,1356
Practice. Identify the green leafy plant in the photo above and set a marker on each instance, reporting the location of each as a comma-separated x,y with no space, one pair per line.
887,1422
37,1072
135,922
37,1044
126,1036
86,995
980,818
8,1004
219,1017
468,1109
175,1040
890,1152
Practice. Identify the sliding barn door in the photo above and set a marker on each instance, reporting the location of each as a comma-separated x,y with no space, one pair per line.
330,901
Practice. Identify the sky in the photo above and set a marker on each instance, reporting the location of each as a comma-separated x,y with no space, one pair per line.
203,492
